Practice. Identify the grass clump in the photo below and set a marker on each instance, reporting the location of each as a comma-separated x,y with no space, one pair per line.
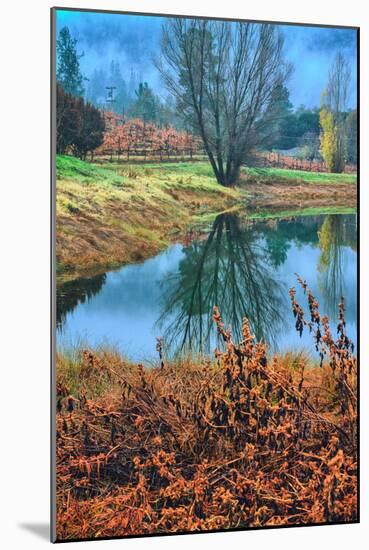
245,440
263,175
297,212
71,168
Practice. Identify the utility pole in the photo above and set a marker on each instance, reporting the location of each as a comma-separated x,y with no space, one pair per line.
110,100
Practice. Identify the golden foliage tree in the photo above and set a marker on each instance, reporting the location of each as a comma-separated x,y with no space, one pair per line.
330,146
332,115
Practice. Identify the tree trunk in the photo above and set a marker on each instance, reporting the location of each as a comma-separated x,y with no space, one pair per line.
228,181
230,176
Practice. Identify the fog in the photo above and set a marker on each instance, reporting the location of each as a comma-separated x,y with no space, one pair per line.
134,41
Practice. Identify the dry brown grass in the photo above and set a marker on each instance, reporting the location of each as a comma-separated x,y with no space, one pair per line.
242,441
106,223
274,194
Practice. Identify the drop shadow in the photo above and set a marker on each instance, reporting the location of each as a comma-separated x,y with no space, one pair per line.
42,530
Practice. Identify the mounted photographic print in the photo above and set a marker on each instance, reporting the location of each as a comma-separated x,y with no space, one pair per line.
205,279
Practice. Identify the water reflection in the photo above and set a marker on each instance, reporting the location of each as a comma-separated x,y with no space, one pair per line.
231,268
244,267
334,232
72,293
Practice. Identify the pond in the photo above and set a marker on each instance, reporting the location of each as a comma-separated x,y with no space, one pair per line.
244,266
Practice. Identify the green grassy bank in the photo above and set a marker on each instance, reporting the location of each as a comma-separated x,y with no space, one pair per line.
110,214
113,214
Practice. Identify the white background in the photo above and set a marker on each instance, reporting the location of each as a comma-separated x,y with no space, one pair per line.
24,285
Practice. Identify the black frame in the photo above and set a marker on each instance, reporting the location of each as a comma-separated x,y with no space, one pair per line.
53,12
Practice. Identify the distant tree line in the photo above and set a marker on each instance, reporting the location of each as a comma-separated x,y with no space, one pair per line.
288,129
131,99
227,87
303,129
108,90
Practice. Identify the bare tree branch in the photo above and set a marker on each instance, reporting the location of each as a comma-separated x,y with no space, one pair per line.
223,76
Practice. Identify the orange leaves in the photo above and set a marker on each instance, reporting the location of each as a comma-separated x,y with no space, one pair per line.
246,440
139,421
138,137
175,490
337,461
163,458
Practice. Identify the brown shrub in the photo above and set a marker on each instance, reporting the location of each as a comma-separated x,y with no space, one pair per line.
244,441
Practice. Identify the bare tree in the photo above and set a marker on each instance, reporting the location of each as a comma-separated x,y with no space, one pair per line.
351,136
334,110
223,76
338,86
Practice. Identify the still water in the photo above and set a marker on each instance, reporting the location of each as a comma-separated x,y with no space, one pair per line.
244,267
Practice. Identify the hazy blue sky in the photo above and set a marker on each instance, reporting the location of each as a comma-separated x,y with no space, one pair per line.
134,41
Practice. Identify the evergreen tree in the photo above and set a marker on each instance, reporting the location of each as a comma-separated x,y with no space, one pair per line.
168,115
96,91
145,106
132,85
121,96
279,121
68,72
307,120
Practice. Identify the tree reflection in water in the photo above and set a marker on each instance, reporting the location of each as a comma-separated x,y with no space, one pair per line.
336,233
72,293
244,267
231,268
